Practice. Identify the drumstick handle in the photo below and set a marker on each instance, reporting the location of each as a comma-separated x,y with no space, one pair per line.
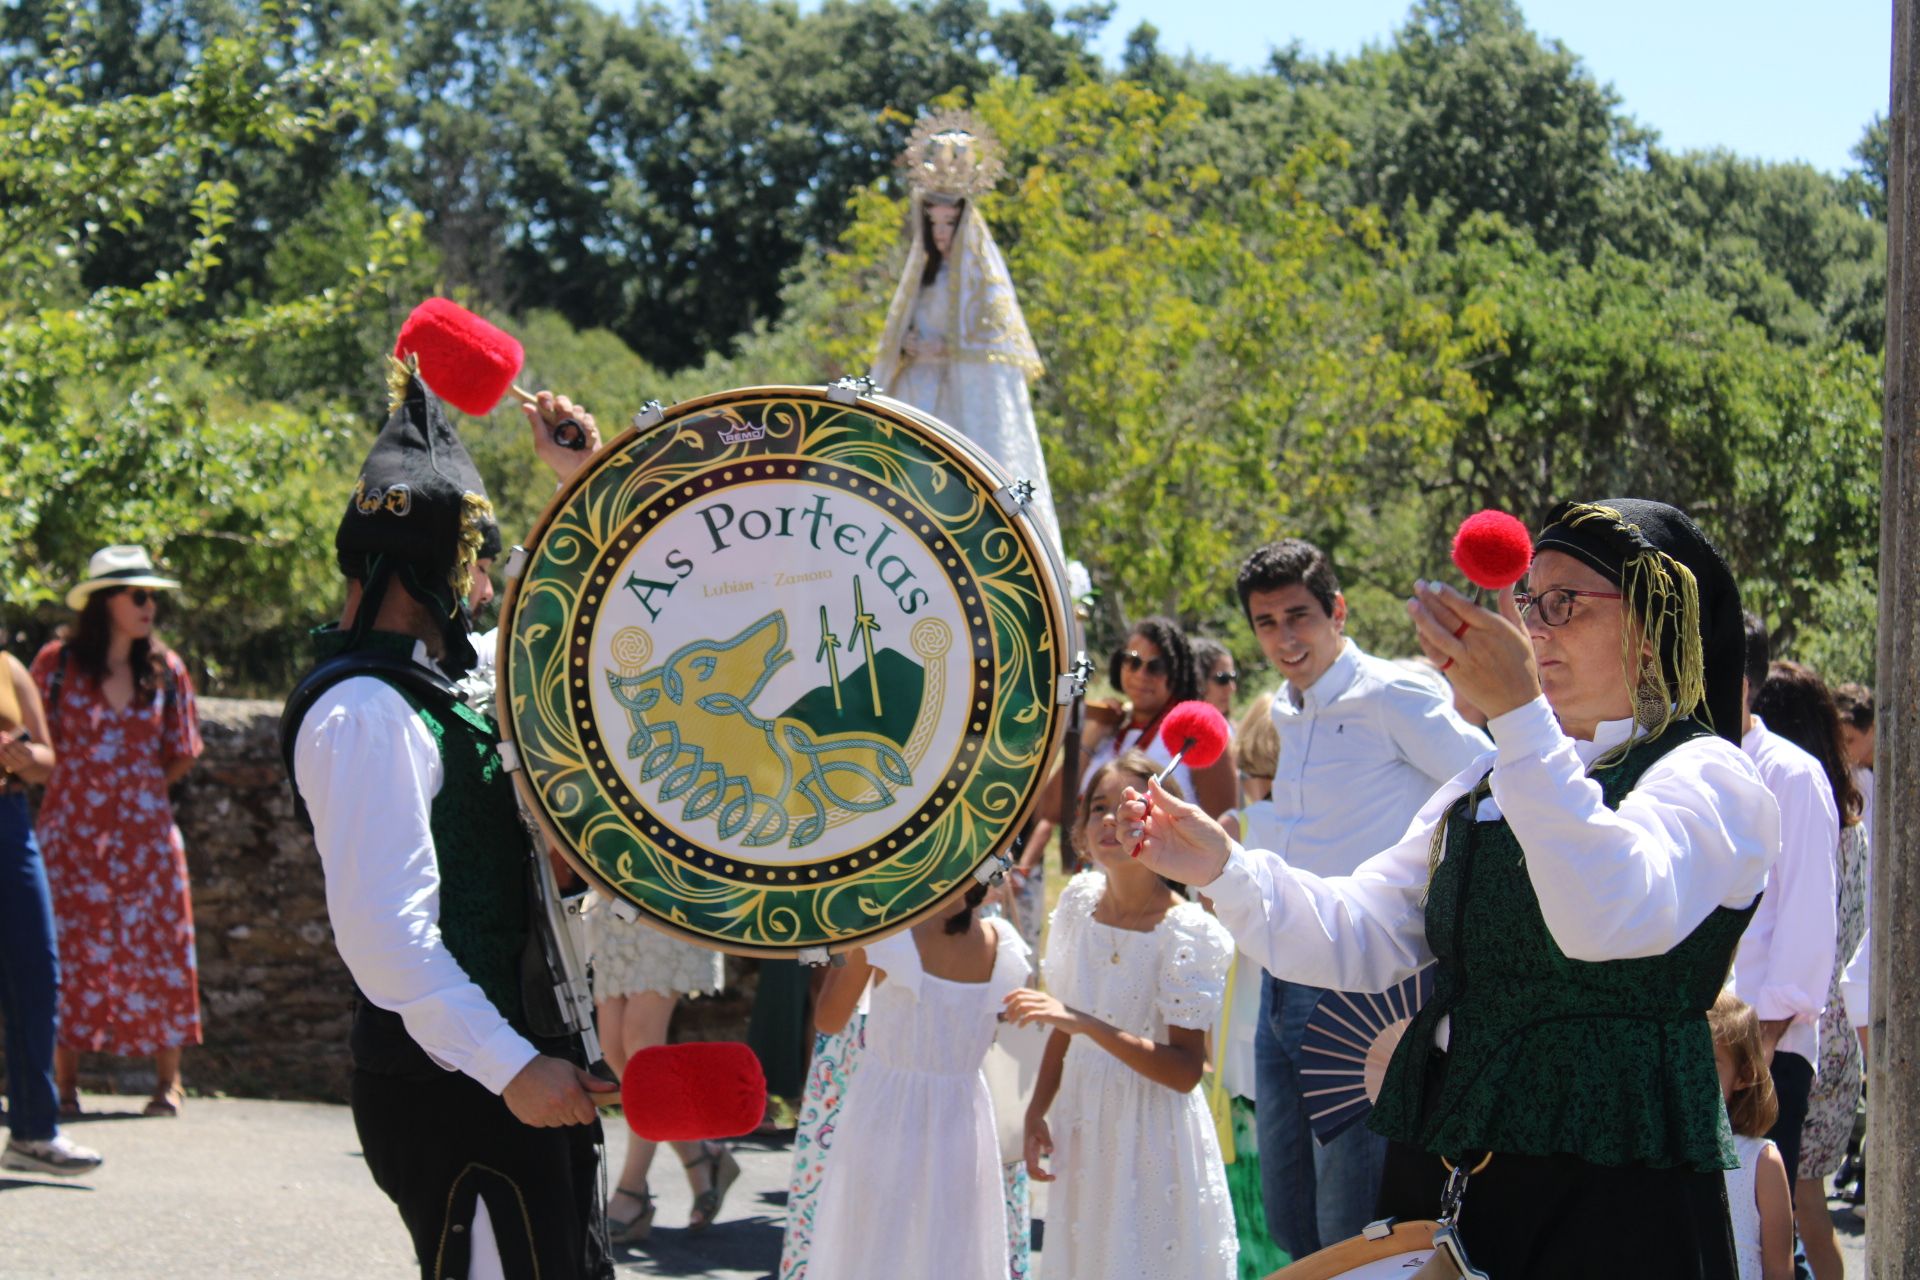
1158,777
567,433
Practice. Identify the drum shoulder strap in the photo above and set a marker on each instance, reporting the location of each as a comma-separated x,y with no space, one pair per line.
429,687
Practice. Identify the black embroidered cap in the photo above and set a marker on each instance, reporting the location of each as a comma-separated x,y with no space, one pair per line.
1680,589
419,514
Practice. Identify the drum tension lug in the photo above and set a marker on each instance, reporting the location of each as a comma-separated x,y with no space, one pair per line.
1073,683
817,958
1014,498
649,416
509,756
849,390
990,871
516,564
623,911
1379,1229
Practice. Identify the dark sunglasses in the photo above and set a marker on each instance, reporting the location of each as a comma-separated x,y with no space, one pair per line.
139,595
1225,677
1154,666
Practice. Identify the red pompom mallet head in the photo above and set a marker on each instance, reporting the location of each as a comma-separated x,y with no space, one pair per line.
689,1092
466,361
1493,549
1196,732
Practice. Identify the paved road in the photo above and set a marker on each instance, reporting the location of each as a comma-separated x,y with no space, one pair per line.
277,1191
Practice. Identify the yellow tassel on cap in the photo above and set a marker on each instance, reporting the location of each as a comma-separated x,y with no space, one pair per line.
475,513
1672,603
400,376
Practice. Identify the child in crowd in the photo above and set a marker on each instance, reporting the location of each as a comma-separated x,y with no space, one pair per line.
1757,1195
915,1184
1136,976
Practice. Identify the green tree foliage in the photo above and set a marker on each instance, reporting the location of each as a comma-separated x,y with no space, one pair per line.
1213,380
1618,379
123,415
1348,297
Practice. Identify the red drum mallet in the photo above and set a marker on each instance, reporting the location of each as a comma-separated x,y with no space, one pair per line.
1194,731
469,363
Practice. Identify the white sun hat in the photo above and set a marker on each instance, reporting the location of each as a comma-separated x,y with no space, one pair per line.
117,567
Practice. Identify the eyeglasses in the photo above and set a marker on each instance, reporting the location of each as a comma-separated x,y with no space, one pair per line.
1556,606
139,595
1156,666
1225,677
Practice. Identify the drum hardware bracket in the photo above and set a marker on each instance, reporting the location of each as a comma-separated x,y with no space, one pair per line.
509,756
990,871
1378,1229
849,390
1072,683
1014,498
516,564
623,911
817,958
649,415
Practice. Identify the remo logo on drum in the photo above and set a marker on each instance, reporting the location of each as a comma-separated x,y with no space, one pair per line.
780,670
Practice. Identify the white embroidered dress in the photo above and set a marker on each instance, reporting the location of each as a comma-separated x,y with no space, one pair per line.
1140,1192
916,1186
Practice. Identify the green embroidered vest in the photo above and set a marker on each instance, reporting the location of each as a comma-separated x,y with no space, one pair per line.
478,838
1611,1062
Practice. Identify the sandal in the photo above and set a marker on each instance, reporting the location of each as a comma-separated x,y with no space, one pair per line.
70,1108
165,1104
639,1227
722,1171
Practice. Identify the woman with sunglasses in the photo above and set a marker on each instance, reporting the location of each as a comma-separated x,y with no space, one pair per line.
1219,676
1156,670
1580,891
120,708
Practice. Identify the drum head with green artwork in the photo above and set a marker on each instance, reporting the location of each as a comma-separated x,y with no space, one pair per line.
781,671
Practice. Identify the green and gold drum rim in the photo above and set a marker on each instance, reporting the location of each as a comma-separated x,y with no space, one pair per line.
781,669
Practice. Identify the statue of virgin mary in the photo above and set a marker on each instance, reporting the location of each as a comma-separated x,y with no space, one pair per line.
955,344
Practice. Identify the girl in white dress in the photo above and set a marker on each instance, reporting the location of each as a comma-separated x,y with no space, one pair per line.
916,1186
1137,975
1759,1203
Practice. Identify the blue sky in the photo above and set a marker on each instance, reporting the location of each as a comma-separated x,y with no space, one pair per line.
1780,81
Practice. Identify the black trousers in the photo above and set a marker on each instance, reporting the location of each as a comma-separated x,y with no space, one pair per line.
1559,1218
436,1144
1792,1083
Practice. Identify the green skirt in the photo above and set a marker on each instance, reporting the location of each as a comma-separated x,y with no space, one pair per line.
1260,1257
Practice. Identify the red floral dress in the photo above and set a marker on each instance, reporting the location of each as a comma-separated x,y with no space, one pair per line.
116,864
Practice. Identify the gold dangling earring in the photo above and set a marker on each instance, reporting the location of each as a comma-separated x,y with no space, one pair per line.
1651,705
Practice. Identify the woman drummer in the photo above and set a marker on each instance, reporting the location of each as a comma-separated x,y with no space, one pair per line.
1581,889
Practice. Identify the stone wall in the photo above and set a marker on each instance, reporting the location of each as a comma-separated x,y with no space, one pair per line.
274,994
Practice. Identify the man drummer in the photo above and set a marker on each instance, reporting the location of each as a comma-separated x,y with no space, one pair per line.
483,1133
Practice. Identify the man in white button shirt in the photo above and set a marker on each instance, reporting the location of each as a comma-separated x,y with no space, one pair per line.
1785,960
1363,744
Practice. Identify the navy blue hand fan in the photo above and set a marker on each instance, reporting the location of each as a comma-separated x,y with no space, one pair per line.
1350,1037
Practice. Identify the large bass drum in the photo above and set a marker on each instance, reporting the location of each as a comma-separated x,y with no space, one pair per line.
783,667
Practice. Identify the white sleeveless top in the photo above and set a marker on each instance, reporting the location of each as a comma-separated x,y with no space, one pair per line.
1742,1208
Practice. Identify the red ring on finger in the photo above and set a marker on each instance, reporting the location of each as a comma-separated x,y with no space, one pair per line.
1461,632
